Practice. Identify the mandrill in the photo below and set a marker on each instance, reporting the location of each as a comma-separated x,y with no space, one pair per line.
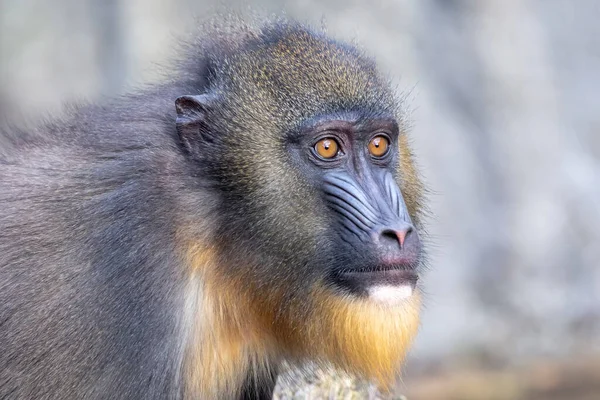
182,241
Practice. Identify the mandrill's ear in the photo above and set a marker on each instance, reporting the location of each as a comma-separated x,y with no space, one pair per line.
193,120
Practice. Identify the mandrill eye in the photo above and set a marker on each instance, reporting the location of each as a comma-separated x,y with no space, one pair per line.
378,146
327,148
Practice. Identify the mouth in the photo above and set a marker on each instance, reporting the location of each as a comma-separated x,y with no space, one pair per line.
387,286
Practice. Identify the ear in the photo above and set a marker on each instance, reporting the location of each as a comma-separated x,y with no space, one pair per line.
192,120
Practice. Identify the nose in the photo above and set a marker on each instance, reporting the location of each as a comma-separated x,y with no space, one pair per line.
398,244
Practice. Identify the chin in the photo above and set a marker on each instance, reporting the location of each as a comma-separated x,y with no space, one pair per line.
390,295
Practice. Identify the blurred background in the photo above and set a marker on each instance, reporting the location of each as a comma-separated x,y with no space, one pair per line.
505,111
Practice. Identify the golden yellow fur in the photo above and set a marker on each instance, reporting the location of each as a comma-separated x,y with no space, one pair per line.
233,329
224,341
359,335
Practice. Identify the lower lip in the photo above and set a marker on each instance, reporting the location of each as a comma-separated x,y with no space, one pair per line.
389,287
393,277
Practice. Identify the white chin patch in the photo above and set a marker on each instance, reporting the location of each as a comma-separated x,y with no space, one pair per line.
388,294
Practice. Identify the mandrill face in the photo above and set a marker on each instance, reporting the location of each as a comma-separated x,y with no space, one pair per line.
372,248
375,248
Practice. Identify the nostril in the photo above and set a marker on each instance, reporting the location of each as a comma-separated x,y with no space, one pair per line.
389,234
399,235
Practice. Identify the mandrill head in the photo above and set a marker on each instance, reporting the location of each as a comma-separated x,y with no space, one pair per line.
301,141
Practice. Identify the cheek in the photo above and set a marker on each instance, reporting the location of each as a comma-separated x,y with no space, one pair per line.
296,219
409,182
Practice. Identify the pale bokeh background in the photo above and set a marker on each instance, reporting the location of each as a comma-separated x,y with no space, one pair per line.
506,123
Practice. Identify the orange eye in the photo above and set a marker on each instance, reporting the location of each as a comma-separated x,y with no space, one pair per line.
327,148
378,146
